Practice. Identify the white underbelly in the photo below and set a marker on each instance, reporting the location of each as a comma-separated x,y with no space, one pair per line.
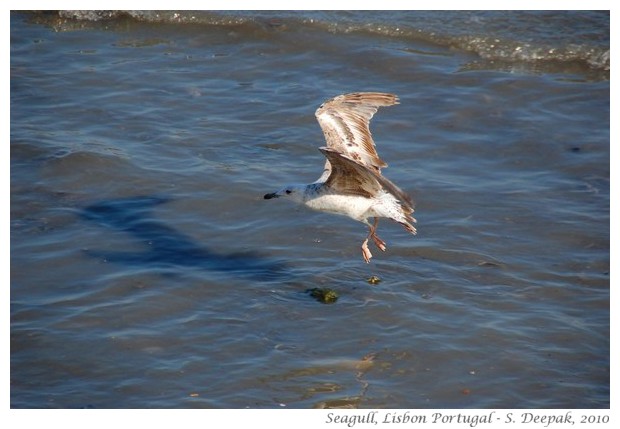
358,208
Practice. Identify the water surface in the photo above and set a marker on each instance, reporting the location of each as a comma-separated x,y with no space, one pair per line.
147,271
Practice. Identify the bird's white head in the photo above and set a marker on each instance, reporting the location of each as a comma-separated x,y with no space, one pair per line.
293,192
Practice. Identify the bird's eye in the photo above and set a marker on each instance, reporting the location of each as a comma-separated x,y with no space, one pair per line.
288,191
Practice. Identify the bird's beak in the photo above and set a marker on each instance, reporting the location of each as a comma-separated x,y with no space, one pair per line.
270,196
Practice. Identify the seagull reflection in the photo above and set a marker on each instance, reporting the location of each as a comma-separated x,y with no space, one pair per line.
167,247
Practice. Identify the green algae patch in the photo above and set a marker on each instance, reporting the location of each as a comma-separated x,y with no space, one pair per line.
323,295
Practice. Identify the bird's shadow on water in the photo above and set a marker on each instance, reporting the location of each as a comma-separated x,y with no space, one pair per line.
167,248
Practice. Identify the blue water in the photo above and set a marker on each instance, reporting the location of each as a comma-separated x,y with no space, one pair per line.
147,271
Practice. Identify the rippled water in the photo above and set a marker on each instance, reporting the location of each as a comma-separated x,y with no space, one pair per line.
147,270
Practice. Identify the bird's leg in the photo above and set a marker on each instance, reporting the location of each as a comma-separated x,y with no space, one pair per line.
366,251
380,243
371,234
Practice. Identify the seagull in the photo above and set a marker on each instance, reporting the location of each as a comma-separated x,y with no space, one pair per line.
351,183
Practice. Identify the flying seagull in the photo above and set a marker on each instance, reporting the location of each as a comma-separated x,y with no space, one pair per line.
351,183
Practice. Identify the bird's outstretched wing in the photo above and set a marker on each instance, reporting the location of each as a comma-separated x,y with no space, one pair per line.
349,177
345,123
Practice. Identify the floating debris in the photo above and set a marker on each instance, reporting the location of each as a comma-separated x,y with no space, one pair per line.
374,280
323,295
